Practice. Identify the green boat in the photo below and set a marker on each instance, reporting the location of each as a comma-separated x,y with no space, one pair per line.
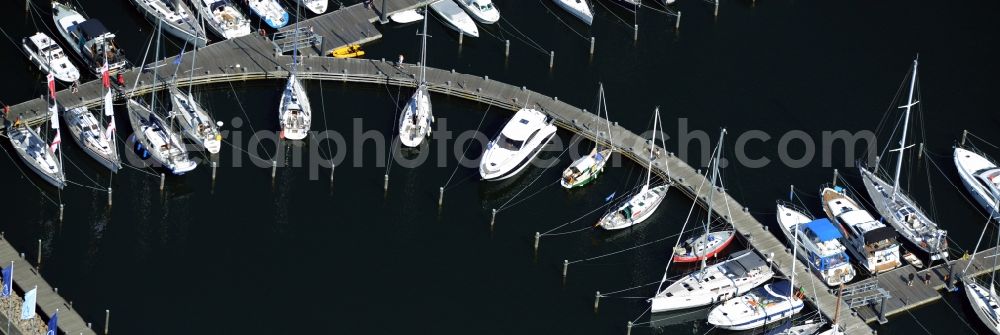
587,168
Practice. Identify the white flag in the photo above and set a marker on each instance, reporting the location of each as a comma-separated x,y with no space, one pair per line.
54,109
28,308
109,108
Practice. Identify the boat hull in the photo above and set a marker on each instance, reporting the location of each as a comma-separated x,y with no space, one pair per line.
523,163
880,193
710,254
655,195
582,12
111,163
185,30
968,163
980,300
19,136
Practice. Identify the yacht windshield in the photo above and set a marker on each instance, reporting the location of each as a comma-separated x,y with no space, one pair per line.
508,143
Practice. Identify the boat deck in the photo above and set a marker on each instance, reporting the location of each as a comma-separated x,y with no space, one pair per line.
27,277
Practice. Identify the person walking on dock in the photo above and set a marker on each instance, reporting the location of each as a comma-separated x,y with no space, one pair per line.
910,282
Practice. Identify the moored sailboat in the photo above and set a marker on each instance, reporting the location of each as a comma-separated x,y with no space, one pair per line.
417,118
581,9
742,272
641,205
587,168
39,156
90,135
294,110
176,17
709,243
983,296
223,18
194,121
896,206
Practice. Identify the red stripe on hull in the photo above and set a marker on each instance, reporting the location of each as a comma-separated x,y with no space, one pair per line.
690,259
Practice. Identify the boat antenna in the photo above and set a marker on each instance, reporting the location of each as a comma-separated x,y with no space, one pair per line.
906,123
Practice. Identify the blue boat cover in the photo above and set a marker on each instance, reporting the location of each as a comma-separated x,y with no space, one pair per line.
821,229
781,287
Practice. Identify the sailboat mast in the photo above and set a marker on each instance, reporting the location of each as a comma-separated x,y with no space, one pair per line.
906,125
194,57
156,55
652,146
795,252
993,274
603,104
295,46
711,192
423,51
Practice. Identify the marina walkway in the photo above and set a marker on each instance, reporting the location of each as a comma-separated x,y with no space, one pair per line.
26,277
253,58
351,25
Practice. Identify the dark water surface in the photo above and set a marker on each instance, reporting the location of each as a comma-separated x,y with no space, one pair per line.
295,255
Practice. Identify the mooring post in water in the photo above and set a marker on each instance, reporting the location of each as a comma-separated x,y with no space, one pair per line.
920,153
597,300
506,48
964,134
274,169
38,260
385,183
493,219
677,24
27,5
628,328
109,197
538,236
333,167
635,34
214,166
61,208
440,196
716,8
552,58
460,38
565,268
592,39
107,318
163,179
836,175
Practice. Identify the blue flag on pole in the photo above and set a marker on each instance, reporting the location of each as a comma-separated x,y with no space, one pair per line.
8,279
28,308
612,196
53,324
177,61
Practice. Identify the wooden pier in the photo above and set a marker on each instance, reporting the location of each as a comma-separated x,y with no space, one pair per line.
26,277
254,58
352,24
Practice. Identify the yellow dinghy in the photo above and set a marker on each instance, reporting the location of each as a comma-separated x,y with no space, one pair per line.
349,51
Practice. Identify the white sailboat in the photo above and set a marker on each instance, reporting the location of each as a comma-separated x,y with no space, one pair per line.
88,38
49,57
455,18
587,168
417,119
819,244
294,110
581,9
482,10
90,135
223,17
742,272
981,178
641,205
176,16
519,142
153,137
872,243
39,156
270,11
710,242
983,296
315,6
762,306
195,123
896,206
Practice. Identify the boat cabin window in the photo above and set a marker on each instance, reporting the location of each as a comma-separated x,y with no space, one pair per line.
508,143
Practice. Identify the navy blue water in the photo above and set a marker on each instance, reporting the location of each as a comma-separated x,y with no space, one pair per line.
297,255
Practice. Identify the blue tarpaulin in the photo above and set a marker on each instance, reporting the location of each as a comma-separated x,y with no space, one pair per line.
822,229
